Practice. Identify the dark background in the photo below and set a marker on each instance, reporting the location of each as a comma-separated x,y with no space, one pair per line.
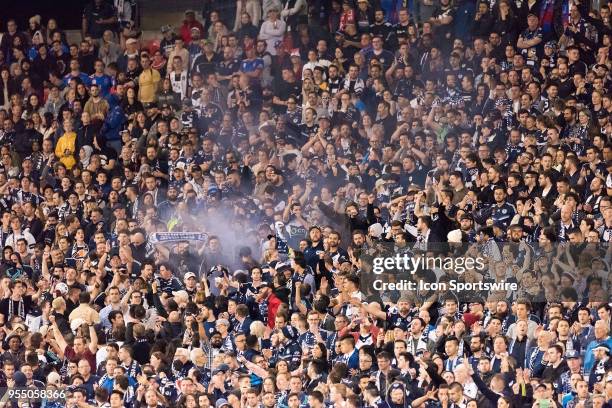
68,13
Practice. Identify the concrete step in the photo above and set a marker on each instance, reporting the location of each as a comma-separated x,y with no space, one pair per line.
155,13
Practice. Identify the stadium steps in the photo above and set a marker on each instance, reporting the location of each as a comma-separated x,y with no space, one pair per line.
154,14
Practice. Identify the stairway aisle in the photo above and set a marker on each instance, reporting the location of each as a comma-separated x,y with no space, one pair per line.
155,13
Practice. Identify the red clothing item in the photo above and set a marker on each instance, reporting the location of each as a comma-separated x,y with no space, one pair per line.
185,31
273,304
347,17
71,355
374,330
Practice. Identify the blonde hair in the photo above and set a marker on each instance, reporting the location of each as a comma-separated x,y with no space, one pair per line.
58,303
257,328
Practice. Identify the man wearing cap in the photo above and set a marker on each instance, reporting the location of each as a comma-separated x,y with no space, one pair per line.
601,332
190,282
574,362
167,42
268,304
222,403
602,365
217,384
189,24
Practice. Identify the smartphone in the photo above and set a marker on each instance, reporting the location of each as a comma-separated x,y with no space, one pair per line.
544,403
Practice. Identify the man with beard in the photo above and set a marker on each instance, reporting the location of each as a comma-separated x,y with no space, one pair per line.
466,225
268,304
183,259
476,350
602,365
565,83
501,211
399,316
417,343
384,29
519,248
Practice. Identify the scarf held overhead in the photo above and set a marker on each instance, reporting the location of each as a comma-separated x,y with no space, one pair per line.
163,237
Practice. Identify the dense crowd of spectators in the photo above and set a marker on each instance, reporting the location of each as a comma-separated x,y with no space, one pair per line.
192,221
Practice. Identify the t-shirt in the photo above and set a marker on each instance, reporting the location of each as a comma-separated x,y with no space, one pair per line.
251,65
104,82
147,85
71,355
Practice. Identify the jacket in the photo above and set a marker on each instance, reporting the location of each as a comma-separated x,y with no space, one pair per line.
66,149
114,123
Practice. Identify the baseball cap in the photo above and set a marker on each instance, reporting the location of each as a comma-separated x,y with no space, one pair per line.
62,288
602,346
223,368
572,354
190,275
221,402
